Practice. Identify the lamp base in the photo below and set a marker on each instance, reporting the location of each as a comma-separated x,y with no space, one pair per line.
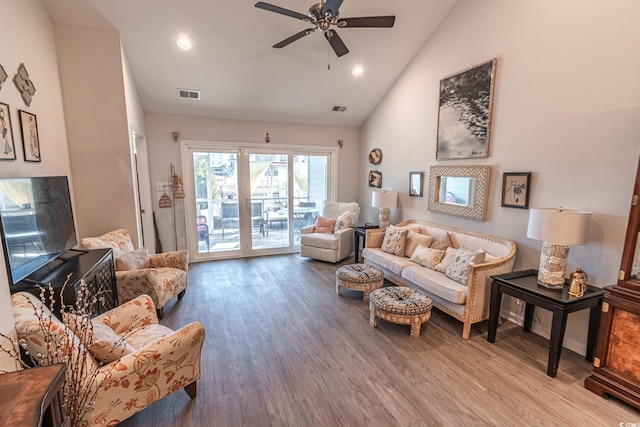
553,265
383,217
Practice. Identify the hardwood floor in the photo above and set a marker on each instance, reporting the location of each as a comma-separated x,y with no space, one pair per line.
282,349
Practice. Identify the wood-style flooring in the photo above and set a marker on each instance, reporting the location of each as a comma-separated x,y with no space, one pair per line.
282,349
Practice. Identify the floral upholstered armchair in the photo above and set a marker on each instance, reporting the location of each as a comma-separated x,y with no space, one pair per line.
157,360
161,276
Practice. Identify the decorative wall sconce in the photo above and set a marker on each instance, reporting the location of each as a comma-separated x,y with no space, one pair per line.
267,139
176,136
340,143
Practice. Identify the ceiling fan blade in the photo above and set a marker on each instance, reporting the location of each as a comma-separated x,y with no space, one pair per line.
331,7
281,10
368,21
294,37
336,43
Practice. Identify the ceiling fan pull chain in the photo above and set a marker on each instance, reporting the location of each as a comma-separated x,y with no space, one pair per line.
329,56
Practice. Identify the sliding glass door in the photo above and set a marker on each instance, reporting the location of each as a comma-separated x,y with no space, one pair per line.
249,201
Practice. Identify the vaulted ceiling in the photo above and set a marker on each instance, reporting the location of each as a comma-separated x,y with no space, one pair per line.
239,74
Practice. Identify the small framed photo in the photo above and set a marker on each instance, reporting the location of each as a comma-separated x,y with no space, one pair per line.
416,186
375,179
30,138
515,189
7,147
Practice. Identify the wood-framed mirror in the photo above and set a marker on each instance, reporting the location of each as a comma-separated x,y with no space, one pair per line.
459,190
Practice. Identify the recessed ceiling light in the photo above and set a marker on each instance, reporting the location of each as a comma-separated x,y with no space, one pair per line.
183,43
357,71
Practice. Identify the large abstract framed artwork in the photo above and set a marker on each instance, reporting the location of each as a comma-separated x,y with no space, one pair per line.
464,113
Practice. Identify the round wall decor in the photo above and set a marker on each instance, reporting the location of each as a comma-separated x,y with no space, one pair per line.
375,156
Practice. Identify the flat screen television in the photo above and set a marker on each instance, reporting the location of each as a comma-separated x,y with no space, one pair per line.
36,223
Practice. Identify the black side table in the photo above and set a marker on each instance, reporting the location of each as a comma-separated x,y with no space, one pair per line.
524,285
361,231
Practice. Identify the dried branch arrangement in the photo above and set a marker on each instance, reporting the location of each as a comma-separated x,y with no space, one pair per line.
66,346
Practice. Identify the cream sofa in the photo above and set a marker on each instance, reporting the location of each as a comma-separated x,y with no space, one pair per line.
468,303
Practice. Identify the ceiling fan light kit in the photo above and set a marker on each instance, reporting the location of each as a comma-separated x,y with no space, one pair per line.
324,16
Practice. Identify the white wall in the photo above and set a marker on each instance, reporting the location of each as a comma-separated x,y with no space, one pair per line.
566,108
27,36
91,77
163,151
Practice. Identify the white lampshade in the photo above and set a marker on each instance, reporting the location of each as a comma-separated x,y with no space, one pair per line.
384,199
564,226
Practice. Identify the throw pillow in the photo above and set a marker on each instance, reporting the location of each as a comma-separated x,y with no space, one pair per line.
343,221
413,240
324,225
105,345
133,260
427,257
395,239
441,239
460,267
446,259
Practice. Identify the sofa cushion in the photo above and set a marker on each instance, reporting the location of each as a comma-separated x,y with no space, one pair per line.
391,262
344,221
441,239
324,225
133,260
413,240
395,240
148,334
319,240
427,257
103,343
436,283
462,263
446,260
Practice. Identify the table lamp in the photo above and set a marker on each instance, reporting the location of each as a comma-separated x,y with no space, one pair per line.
384,200
557,228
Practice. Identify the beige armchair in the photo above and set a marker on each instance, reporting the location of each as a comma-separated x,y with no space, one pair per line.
161,276
162,360
331,247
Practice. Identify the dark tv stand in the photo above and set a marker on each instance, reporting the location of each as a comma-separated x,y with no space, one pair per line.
96,267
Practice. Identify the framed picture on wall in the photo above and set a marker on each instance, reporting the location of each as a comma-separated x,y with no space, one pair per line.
375,179
416,187
30,138
464,113
515,189
7,147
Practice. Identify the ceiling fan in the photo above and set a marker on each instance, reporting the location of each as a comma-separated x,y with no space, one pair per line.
323,16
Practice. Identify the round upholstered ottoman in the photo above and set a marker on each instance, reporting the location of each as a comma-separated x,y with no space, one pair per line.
401,305
359,277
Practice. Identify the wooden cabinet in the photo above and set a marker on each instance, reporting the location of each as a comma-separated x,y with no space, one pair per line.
616,370
95,266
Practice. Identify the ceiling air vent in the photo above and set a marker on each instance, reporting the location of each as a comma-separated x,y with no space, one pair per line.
189,94
339,108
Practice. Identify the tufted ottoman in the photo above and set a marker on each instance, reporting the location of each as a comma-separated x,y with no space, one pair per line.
359,277
401,305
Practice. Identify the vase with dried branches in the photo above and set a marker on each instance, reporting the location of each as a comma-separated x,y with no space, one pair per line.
51,342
